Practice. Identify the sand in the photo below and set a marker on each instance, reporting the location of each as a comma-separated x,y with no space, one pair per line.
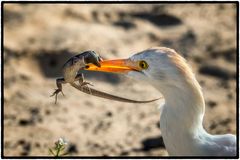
38,39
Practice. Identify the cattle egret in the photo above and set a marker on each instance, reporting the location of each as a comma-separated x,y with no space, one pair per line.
182,114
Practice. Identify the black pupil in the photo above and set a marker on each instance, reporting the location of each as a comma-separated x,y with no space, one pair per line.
74,60
142,64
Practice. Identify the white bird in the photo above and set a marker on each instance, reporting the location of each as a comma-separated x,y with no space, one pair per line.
182,114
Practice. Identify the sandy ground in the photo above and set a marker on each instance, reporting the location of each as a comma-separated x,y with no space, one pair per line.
38,39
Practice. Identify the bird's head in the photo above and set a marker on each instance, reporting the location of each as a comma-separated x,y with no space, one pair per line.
168,72
158,66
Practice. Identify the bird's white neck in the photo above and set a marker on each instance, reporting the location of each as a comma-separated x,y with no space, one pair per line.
182,116
186,103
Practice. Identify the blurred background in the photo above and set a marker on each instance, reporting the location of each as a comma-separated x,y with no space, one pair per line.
38,39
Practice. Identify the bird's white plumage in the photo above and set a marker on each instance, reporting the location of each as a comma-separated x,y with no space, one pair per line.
182,114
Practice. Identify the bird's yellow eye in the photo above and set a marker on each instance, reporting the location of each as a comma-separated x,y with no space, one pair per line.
143,64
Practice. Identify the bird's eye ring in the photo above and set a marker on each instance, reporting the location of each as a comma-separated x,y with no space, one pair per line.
143,64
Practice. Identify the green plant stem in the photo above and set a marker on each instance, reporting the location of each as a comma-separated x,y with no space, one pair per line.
58,150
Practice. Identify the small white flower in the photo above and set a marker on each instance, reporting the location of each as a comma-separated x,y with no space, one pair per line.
62,142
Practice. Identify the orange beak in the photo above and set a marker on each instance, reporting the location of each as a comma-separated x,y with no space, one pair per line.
115,66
